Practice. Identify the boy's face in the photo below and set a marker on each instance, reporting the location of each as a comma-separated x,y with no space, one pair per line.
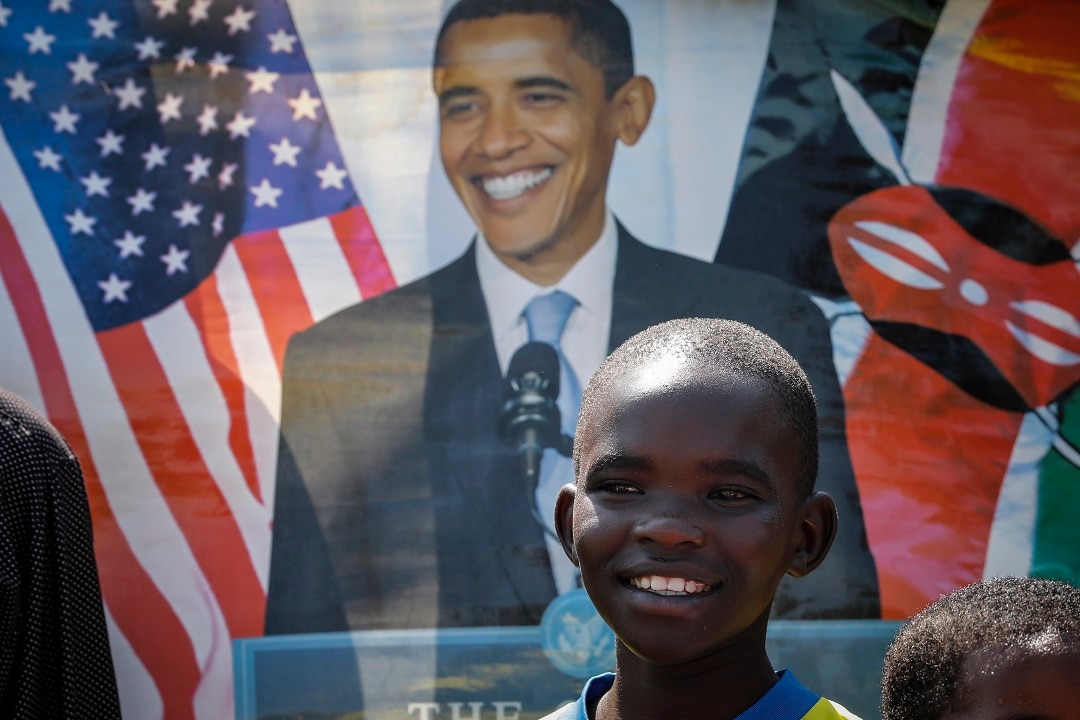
685,515
1026,684
526,136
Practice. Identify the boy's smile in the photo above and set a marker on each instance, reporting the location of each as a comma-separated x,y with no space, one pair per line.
686,513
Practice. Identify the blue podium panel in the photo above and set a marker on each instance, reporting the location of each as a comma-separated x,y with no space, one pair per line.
501,673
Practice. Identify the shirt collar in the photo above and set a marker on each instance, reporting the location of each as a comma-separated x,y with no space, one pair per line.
589,281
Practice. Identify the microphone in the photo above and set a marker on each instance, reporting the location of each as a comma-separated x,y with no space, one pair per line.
530,419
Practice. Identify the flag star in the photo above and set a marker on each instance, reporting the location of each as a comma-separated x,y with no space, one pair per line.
219,64
169,108
239,20
65,119
263,80
218,225
155,156
57,5
207,119
40,41
266,194
175,260
304,105
104,26
81,223
199,11
188,213
240,125
142,201
331,176
198,168
130,95
225,177
96,184
150,48
20,86
47,158
115,288
82,70
5,13
185,59
281,41
165,8
130,244
285,152
111,143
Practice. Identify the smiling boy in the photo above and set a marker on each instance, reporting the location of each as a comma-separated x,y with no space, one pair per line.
696,458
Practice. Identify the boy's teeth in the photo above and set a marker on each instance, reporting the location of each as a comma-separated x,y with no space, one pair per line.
510,186
668,586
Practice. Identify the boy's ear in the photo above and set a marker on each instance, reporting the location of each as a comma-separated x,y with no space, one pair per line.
564,521
634,103
815,533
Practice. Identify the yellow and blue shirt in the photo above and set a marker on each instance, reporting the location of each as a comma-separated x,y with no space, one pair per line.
788,699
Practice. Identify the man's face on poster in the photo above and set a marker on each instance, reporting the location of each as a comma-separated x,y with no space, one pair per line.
527,137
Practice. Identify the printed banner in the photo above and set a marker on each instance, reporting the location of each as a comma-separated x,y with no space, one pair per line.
258,266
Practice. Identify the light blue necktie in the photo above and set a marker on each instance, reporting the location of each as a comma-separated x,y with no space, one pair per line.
546,317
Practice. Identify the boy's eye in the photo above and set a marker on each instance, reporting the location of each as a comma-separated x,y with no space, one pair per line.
729,494
616,487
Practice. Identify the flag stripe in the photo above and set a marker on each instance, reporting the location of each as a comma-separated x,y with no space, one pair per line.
276,288
321,267
363,252
208,313
145,616
180,472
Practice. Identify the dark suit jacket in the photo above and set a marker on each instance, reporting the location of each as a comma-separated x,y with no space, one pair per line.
397,505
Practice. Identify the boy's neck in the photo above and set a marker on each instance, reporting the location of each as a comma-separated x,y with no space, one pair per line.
716,687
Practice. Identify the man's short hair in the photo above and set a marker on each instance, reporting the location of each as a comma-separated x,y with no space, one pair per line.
724,350
922,673
599,30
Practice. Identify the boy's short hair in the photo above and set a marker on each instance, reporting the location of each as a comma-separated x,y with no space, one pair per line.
723,349
599,31
922,673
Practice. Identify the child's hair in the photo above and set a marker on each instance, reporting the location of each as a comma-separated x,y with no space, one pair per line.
727,350
921,677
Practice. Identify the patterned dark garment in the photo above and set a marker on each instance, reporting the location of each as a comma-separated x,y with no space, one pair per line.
54,650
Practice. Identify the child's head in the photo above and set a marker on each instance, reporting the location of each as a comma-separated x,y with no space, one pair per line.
1003,648
695,458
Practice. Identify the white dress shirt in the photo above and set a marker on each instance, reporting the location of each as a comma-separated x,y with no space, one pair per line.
584,344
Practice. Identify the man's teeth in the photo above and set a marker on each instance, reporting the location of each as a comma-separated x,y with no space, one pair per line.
510,186
668,586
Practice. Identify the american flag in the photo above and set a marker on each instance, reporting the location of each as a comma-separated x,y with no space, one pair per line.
174,207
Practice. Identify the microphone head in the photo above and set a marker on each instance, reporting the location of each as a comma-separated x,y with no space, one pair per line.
530,417
535,366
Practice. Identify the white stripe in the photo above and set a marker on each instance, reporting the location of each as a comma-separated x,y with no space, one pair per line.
140,510
257,367
17,372
321,266
139,696
179,348
940,63
1012,534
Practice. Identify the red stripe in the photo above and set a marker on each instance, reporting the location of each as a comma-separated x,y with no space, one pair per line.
180,472
276,288
364,253
142,613
208,312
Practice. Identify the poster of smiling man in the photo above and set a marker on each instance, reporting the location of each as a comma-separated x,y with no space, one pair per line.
312,290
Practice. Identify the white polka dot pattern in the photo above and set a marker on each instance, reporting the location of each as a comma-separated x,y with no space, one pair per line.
54,650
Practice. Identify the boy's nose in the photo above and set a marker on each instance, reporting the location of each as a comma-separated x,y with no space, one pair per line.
670,530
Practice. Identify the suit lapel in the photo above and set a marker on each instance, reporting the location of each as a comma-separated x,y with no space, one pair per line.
473,475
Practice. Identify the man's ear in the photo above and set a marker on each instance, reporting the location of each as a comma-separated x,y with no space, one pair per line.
634,103
815,534
564,521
